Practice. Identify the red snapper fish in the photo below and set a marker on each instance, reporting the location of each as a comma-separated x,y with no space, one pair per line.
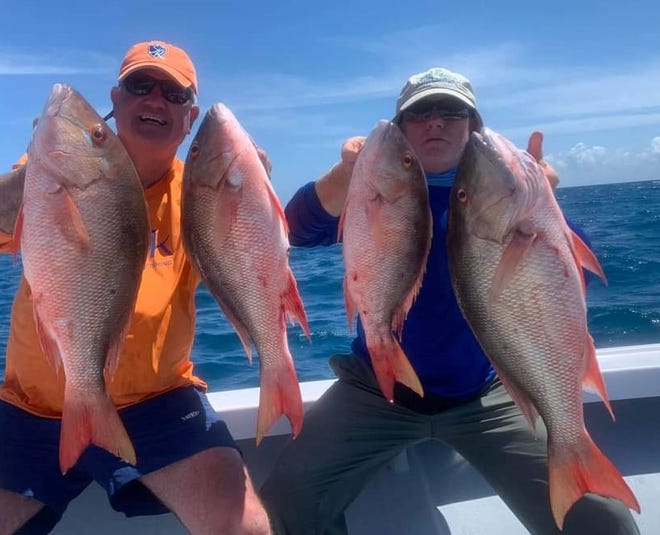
386,229
235,233
517,271
84,235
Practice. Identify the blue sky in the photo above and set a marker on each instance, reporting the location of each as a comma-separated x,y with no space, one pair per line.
303,76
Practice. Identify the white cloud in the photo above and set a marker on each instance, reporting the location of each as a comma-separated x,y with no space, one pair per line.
655,145
64,61
584,164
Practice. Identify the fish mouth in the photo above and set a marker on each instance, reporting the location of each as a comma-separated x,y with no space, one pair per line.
149,118
59,94
220,112
521,193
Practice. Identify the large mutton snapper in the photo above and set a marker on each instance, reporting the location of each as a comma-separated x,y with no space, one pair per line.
84,233
235,234
386,229
517,271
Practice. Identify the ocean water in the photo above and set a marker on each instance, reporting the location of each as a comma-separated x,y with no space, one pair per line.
622,221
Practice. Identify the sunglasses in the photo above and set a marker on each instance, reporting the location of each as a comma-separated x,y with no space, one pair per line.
443,110
141,85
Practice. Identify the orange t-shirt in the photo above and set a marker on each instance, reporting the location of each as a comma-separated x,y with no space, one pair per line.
156,354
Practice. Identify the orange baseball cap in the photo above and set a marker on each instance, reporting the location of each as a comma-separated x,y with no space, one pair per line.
168,58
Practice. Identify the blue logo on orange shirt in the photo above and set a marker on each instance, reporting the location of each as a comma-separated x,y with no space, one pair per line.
160,246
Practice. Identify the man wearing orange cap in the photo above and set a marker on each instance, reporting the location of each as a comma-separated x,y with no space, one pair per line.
188,462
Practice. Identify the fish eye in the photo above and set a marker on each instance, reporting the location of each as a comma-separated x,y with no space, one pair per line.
407,161
98,134
194,149
461,195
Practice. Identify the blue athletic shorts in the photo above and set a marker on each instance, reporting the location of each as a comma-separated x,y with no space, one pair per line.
164,429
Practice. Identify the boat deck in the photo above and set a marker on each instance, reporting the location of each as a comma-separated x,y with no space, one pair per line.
429,489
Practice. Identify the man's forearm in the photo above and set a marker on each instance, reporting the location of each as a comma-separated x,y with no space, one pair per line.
11,196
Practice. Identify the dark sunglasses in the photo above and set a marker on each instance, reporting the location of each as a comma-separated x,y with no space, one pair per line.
443,110
141,85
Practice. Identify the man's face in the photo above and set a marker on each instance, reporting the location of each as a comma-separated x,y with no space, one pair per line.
152,116
438,131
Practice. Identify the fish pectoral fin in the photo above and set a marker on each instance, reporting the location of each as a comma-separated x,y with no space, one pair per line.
512,256
69,221
227,212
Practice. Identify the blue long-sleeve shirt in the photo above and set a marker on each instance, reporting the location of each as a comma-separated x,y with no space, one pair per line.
436,339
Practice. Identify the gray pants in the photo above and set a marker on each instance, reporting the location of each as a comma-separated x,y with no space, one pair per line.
351,432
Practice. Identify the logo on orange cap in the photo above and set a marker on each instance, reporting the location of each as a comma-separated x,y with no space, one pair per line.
166,57
157,51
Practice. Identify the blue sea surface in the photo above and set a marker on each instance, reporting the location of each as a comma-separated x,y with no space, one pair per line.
622,221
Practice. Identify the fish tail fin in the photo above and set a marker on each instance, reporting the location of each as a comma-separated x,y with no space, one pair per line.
92,420
391,364
575,472
279,394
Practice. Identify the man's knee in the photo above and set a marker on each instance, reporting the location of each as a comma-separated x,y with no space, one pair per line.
256,521
598,515
21,515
